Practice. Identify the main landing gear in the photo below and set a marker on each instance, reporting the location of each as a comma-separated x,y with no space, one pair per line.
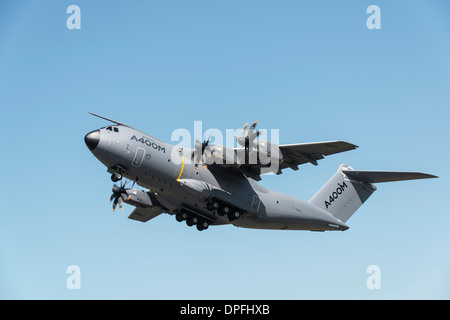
223,209
192,220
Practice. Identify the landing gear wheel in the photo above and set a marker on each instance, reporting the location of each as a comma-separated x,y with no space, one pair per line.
234,215
116,177
181,216
215,205
224,210
191,221
202,225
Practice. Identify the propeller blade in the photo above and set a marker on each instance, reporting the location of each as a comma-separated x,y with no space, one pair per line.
254,125
244,129
198,145
114,204
251,135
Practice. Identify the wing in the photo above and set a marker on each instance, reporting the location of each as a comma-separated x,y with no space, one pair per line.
300,153
291,156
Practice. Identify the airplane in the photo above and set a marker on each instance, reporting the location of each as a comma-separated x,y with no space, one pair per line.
207,192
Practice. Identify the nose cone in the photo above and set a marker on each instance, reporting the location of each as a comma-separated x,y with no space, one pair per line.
92,139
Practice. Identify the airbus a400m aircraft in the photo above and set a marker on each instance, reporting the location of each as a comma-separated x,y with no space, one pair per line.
227,192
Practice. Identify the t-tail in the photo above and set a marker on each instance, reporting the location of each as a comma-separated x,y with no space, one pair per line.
348,189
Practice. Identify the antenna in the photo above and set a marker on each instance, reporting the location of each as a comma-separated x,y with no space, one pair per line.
104,118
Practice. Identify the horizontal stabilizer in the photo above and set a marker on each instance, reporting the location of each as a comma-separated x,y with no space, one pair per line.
145,214
385,176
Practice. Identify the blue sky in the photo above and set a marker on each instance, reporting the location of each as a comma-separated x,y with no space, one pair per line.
309,68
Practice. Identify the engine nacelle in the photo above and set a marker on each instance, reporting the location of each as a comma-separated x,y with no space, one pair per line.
220,154
139,198
269,153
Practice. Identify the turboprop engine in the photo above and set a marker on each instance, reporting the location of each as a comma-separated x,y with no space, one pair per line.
257,151
263,153
134,197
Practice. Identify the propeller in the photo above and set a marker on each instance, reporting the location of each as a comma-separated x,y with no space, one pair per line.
119,195
199,149
248,136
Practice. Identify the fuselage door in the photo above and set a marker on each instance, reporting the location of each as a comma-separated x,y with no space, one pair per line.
138,157
256,202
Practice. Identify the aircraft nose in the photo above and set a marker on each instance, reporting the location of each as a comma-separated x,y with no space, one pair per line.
92,139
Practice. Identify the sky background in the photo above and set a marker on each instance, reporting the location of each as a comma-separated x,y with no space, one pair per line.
311,69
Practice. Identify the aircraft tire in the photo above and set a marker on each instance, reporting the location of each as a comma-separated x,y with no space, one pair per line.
191,221
116,177
233,215
215,205
181,216
202,225
224,210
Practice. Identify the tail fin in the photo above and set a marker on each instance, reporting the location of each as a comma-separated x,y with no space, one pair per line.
348,189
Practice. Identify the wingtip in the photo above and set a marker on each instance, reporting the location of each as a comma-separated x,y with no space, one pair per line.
352,145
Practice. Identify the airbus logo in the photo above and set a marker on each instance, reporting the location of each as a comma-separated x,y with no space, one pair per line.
149,143
339,190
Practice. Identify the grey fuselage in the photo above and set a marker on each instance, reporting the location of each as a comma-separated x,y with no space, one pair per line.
168,171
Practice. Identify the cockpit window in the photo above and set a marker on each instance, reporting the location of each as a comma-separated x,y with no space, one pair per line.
115,129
